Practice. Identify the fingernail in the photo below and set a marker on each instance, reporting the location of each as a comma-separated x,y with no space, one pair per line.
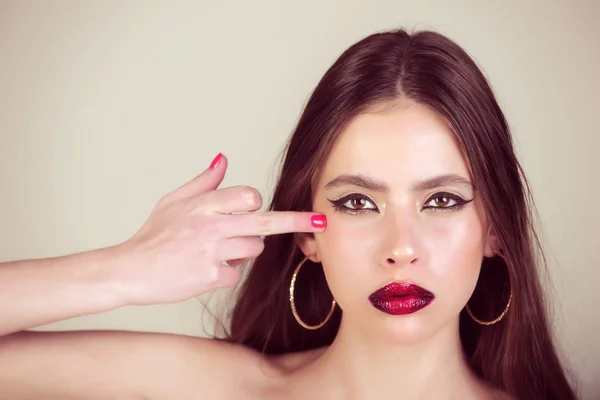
318,221
215,163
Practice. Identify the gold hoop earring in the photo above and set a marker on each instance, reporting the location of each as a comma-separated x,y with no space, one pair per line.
494,321
293,305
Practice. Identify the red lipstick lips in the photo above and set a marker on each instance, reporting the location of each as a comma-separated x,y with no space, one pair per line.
400,298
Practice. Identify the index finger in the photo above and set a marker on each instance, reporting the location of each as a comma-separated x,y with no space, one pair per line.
274,223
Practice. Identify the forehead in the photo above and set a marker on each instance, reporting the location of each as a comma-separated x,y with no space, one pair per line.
405,141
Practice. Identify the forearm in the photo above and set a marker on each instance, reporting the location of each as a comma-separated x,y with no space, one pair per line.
38,292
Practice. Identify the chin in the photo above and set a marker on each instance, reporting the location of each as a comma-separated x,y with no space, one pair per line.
403,330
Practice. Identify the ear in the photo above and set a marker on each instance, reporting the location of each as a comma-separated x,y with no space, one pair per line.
492,243
308,245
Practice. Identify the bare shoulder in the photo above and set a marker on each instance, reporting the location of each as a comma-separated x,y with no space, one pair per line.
235,371
211,367
118,364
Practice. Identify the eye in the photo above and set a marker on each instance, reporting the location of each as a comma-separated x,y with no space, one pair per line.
444,201
354,204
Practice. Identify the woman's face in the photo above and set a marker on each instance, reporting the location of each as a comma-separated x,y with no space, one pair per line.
401,210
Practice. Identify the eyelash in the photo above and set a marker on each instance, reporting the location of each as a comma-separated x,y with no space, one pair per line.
339,204
460,202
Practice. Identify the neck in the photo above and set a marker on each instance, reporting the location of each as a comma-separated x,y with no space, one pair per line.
364,367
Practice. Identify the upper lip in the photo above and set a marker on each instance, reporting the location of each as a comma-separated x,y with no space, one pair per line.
400,289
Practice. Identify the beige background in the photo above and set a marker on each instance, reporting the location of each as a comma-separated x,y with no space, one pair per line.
107,105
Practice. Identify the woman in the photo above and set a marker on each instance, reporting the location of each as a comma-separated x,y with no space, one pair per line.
422,284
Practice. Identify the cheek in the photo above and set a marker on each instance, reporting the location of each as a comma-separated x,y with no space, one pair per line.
454,249
346,252
344,240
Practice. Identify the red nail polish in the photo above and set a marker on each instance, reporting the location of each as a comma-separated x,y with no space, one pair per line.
215,163
318,221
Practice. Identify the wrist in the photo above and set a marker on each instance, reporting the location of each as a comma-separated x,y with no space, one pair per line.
109,265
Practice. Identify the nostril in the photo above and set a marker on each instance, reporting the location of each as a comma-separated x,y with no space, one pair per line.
391,261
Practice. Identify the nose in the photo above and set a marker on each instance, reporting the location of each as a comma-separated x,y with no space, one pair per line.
398,243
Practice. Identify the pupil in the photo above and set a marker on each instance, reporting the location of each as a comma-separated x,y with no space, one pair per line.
359,203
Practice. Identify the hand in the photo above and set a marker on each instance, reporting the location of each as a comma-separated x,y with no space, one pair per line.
179,252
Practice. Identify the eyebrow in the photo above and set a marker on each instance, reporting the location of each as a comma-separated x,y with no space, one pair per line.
380,186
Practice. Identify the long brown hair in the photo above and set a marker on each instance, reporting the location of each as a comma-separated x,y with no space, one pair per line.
516,355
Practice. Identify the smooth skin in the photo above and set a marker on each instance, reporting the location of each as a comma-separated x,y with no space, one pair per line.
178,254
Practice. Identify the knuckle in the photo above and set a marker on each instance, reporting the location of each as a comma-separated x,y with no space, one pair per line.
209,229
207,251
202,204
251,196
291,222
164,200
265,224
200,209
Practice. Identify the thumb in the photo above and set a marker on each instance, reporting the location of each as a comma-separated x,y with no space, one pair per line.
208,180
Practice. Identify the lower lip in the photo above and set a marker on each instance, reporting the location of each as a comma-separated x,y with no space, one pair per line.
401,305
